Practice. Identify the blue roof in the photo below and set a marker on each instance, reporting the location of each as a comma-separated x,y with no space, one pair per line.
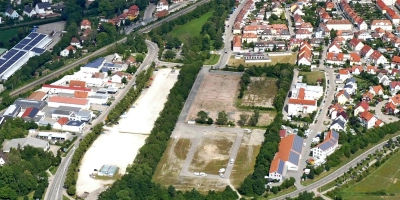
294,157
335,135
108,64
96,63
297,145
326,145
104,69
351,80
281,166
338,121
74,123
33,112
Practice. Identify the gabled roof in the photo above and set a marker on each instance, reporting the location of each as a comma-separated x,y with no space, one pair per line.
396,59
390,105
354,42
290,149
335,56
344,93
377,89
354,57
62,121
365,49
343,72
396,99
368,94
359,67
376,55
366,115
85,22
363,104
393,84
43,5
30,112
28,9
331,139
237,41
339,122
74,40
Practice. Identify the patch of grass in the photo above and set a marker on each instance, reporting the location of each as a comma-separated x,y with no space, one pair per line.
53,169
30,196
244,165
8,34
182,148
327,186
260,92
65,197
193,28
213,60
274,60
161,176
312,77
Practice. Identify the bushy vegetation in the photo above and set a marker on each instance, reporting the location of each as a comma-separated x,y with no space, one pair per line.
15,128
25,171
254,184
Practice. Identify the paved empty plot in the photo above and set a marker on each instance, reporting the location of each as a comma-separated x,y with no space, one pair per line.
118,147
49,28
140,118
112,148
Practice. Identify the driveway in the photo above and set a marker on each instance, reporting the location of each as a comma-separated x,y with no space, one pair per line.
385,118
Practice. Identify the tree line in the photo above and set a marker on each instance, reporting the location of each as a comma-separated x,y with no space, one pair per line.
254,184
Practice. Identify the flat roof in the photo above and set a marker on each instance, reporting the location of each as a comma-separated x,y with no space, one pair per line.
67,87
31,141
68,100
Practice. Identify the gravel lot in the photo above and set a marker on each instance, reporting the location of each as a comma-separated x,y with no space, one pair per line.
118,148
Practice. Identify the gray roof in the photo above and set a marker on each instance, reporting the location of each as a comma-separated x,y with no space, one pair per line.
9,11
84,113
69,108
339,122
22,142
43,5
28,9
62,112
27,103
74,123
44,122
98,96
350,80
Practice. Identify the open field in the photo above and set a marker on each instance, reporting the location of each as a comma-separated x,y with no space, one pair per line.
213,60
118,147
260,92
193,28
219,92
246,157
213,152
312,77
6,35
274,59
388,176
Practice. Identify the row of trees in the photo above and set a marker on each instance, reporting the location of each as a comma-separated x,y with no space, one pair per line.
25,171
254,184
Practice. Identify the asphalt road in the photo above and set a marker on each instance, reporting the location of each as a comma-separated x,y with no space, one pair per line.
148,13
56,185
385,118
84,60
227,51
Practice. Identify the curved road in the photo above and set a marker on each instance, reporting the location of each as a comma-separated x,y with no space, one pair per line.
84,60
55,189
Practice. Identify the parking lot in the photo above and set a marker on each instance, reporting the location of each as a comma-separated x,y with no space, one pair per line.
49,28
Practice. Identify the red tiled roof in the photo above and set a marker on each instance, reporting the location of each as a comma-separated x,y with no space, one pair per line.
302,102
377,89
366,115
365,49
237,41
81,94
376,55
363,104
396,99
68,100
335,56
62,121
301,93
396,59
85,22
27,111
76,83
354,57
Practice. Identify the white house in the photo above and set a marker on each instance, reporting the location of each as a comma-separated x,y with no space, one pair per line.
303,34
60,123
356,44
66,51
43,8
334,47
383,79
11,13
94,66
368,120
75,42
162,5
338,124
301,106
356,69
342,24
344,74
327,147
287,157
366,51
376,90
361,107
85,24
342,97
29,11
383,24
394,87
350,86
117,77
378,58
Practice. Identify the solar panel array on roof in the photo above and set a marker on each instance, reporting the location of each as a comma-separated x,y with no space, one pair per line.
294,157
326,145
33,113
297,144
335,135
281,166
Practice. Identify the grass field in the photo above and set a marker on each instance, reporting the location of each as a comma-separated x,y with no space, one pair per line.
8,34
274,59
53,169
260,92
388,177
182,148
213,60
192,28
312,77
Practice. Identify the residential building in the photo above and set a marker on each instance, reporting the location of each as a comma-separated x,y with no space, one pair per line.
378,58
383,24
334,47
162,5
367,97
43,8
334,110
342,97
328,146
85,24
356,44
391,109
287,157
237,43
395,100
366,51
60,123
394,87
29,11
395,61
383,79
338,125
117,77
75,42
356,69
376,90
67,51
303,34
361,107
335,58
249,37
369,120
342,24
11,13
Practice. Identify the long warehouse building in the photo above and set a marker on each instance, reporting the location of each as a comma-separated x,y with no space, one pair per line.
32,45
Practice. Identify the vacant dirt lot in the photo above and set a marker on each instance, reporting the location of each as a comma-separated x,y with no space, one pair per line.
213,152
260,92
217,92
246,158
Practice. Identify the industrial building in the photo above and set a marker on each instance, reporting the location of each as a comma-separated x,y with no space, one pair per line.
32,45
22,142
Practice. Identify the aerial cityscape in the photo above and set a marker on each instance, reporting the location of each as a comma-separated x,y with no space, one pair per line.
199,99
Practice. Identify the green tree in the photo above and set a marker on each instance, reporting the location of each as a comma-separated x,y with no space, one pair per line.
333,34
139,58
222,118
124,80
243,119
202,117
169,54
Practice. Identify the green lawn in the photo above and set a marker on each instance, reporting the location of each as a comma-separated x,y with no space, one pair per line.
192,28
8,34
312,77
213,60
53,169
386,177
